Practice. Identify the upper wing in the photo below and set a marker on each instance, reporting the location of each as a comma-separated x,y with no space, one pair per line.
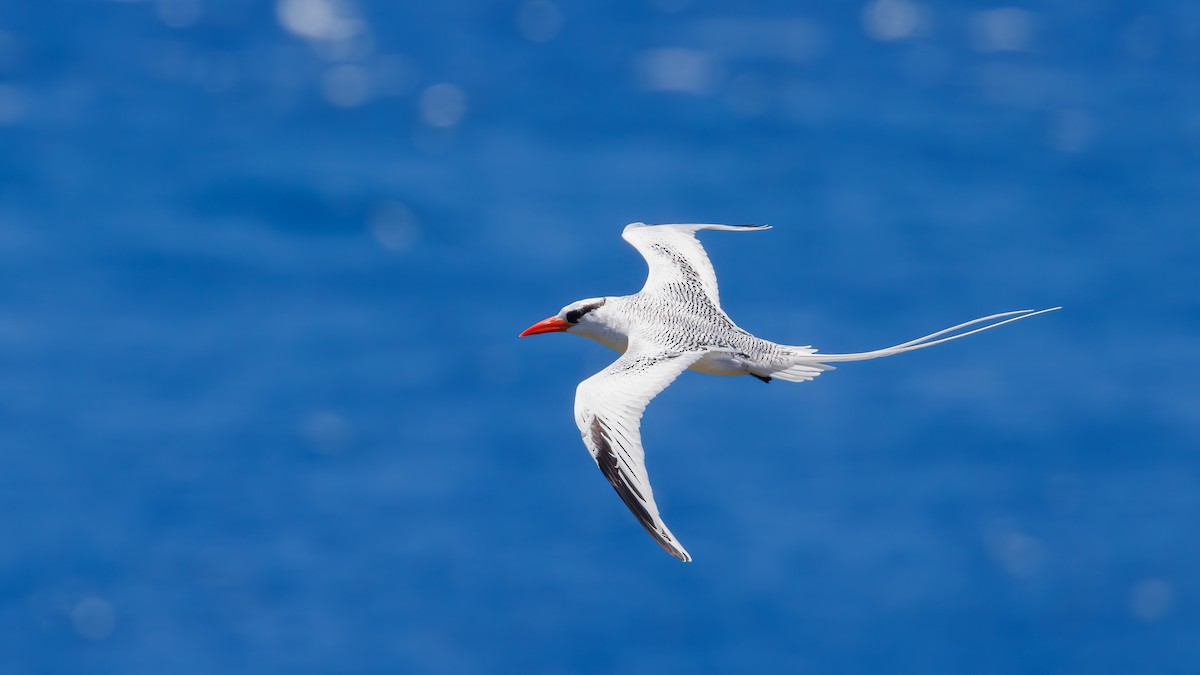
676,256
608,412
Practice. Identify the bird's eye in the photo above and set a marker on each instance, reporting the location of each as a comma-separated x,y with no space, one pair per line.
575,315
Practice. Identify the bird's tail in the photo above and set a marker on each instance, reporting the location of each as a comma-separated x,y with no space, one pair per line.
810,365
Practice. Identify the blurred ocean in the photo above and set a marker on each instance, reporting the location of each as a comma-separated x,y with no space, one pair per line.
263,408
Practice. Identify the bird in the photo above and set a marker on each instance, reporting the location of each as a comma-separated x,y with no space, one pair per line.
675,323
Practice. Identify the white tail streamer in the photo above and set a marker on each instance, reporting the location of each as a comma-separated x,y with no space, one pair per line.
928,340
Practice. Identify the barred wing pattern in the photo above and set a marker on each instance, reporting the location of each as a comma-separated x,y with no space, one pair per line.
675,255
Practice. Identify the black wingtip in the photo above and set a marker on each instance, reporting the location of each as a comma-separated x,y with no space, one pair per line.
606,459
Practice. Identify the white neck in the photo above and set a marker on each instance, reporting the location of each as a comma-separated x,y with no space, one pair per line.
605,325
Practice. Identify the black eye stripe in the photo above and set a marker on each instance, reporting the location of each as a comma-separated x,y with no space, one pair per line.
575,315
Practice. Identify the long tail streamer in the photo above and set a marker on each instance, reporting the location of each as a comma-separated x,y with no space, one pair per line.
929,341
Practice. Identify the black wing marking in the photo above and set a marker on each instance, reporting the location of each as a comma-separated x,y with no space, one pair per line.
612,468
608,412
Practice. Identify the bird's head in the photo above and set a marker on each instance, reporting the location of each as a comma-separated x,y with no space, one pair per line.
578,317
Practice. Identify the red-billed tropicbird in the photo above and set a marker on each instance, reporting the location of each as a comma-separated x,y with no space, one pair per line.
675,323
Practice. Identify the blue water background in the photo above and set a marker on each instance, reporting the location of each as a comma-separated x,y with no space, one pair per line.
263,264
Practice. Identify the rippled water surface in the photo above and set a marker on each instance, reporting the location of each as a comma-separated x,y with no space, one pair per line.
263,264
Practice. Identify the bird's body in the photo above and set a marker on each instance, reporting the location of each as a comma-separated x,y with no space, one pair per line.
699,327
676,323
